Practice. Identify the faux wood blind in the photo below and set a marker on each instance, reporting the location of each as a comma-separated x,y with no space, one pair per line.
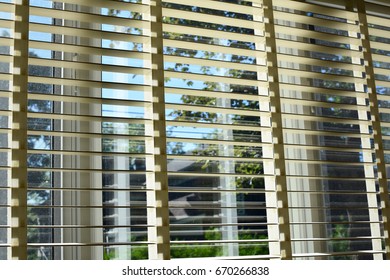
178,129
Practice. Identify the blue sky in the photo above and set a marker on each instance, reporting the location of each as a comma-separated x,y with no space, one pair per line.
126,111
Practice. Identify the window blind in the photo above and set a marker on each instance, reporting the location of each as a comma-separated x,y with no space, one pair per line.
172,129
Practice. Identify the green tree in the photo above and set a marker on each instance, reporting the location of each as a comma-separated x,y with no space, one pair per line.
37,199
